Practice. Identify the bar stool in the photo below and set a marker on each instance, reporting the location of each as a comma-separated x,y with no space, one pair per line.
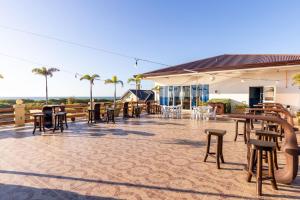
38,121
257,148
59,121
63,110
237,129
219,154
110,115
269,136
91,114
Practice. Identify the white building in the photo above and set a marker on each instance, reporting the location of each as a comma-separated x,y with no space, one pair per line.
246,79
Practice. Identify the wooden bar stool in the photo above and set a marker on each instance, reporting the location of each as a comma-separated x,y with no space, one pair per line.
110,115
38,122
257,148
269,136
219,154
59,121
91,114
237,129
63,110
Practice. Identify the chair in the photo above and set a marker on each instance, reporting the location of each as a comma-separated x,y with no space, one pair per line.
48,114
165,110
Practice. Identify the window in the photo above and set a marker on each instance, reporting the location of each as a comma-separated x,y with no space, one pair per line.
186,97
171,96
163,95
177,97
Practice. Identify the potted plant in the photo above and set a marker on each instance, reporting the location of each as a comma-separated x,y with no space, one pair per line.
240,108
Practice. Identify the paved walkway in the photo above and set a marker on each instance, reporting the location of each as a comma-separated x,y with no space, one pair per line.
147,158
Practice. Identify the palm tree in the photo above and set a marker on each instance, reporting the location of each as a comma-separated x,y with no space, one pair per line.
296,79
91,79
114,80
137,79
43,71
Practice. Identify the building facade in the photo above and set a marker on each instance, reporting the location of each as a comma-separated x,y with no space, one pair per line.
248,79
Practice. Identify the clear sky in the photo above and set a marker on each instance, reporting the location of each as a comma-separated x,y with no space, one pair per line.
167,31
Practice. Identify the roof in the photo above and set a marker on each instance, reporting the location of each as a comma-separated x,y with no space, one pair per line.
143,95
230,62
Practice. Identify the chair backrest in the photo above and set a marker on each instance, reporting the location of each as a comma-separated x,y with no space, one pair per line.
97,107
48,112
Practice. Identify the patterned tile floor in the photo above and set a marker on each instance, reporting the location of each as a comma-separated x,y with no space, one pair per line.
146,158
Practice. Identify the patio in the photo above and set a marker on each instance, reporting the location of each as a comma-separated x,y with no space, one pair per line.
146,158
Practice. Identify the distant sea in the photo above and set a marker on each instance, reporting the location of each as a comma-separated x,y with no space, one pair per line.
43,98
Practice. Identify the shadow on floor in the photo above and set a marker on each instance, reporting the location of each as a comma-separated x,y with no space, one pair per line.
113,183
186,142
25,192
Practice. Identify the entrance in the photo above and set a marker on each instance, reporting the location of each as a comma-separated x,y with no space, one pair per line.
255,96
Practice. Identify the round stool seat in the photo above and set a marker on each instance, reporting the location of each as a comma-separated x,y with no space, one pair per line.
215,131
264,145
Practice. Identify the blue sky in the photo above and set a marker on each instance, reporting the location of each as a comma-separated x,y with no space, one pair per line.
167,31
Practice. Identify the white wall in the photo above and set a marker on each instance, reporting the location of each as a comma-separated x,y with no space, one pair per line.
234,89
229,85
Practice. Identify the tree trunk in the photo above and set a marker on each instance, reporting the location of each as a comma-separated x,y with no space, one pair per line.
46,90
136,92
91,95
115,94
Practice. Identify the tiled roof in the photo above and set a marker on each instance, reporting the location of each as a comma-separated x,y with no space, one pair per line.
143,95
229,62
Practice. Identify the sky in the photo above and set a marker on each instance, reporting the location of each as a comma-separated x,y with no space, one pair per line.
167,31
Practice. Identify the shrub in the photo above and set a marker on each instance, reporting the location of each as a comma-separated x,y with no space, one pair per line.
227,103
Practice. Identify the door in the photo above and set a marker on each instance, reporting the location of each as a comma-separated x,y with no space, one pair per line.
255,96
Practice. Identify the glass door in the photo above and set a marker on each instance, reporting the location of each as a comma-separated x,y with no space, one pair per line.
177,99
171,96
186,97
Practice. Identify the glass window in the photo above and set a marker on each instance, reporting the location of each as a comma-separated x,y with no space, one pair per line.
203,91
177,98
186,97
171,96
205,96
195,95
163,95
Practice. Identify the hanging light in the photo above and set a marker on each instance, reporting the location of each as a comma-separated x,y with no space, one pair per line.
136,63
212,78
242,81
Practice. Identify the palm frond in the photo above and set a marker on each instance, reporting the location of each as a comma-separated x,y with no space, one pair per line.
131,80
120,82
86,77
296,79
139,76
39,71
114,79
94,76
108,81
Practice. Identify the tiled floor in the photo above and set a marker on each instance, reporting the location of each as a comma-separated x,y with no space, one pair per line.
146,158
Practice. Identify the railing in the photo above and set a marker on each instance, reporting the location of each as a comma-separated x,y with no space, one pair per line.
74,111
7,116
